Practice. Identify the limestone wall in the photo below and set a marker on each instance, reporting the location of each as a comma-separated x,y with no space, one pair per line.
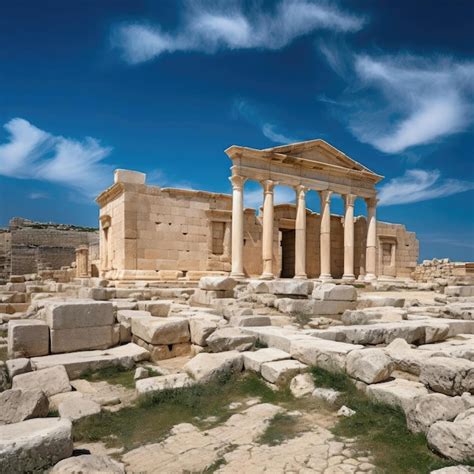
36,246
5,249
430,270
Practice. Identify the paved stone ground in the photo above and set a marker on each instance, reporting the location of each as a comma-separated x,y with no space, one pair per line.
235,445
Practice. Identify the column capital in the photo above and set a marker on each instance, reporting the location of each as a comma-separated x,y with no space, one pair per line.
349,199
237,181
371,202
325,195
268,185
300,190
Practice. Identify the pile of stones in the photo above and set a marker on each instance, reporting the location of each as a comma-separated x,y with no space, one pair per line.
397,349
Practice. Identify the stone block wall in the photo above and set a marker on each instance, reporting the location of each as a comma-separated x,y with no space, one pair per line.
147,229
430,270
29,247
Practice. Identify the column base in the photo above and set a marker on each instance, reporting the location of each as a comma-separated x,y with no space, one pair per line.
237,276
349,277
325,277
370,277
266,276
300,277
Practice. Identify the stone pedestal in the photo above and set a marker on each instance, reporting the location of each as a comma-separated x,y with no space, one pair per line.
82,261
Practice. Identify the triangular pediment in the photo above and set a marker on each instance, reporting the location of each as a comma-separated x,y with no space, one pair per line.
319,151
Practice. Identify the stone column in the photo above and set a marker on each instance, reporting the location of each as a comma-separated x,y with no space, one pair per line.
237,226
82,261
300,232
349,200
370,261
325,235
267,233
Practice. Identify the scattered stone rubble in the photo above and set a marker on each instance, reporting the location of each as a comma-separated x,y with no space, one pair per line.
413,352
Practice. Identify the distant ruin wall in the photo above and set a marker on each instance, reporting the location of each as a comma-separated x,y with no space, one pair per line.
431,270
35,246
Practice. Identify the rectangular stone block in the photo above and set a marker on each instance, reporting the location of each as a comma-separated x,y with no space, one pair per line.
79,339
156,308
28,338
78,314
159,331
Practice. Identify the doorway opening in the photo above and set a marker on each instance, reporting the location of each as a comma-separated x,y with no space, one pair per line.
287,253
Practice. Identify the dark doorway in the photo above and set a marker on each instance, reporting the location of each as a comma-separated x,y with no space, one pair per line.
287,253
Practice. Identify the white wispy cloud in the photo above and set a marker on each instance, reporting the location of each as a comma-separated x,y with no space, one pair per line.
159,178
418,101
32,153
282,195
216,25
248,111
420,185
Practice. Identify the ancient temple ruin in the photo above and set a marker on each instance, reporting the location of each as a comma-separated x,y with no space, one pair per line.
151,233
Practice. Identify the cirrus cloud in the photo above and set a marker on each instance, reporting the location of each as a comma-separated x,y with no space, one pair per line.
212,26
420,185
32,153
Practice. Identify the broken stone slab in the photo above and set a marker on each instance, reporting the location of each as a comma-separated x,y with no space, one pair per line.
302,385
96,294
207,297
81,339
51,381
258,286
405,358
78,313
275,337
254,360
18,366
141,373
432,408
163,382
454,470
467,290
373,315
159,308
399,392
454,439
127,315
19,405
369,365
228,339
250,320
124,304
164,351
34,445
161,330
460,311
280,372
369,300
329,355
28,338
217,283
88,463
76,363
290,287
295,306
76,408
450,376
204,367
333,292
461,346
201,327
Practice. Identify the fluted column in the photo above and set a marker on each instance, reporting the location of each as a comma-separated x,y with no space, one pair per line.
300,232
237,226
349,200
267,233
370,260
325,235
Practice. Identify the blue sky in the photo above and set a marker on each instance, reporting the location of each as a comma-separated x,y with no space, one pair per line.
164,87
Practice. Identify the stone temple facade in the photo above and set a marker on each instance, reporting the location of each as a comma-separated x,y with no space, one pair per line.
153,233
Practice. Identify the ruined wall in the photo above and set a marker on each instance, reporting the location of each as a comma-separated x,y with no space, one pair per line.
147,229
38,246
431,270
5,249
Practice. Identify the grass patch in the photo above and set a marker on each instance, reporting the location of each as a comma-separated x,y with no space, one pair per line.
112,375
3,353
260,345
154,415
281,427
3,332
301,319
53,414
380,429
